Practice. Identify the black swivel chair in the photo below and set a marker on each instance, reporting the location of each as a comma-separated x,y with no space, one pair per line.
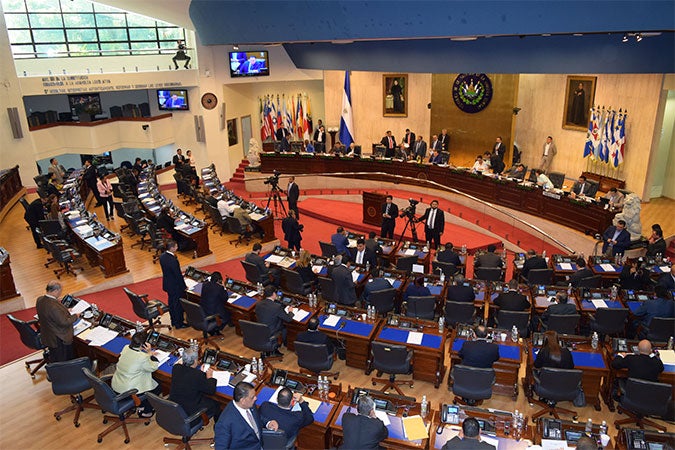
449,269
148,309
421,307
327,288
240,230
459,312
472,385
276,440
557,178
315,359
291,281
660,329
405,263
383,300
594,282
259,337
507,319
391,359
172,417
489,274
328,249
563,323
540,276
556,385
644,398
253,275
67,378
198,320
30,337
121,405
609,321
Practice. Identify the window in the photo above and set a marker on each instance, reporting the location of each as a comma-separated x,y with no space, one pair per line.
62,28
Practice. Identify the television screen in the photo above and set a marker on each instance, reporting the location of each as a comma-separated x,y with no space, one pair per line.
173,100
249,64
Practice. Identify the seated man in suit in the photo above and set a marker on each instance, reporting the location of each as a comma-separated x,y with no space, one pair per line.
375,284
615,199
314,336
263,266
479,352
512,300
516,171
363,256
489,259
289,421
435,157
532,261
560,307
616,239
581,273
345,292
580,187
214,298
448,255
363,431
372,244
416,289
458,292
190,385
273,314
667,280
240,425
340,241
469,438
646,365
661,306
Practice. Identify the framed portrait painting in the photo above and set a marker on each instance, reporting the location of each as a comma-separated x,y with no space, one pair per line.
579,98
395,95
232,132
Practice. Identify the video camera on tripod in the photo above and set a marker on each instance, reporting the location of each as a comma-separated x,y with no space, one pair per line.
409,212
273,180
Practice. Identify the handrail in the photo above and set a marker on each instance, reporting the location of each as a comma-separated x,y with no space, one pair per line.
438,186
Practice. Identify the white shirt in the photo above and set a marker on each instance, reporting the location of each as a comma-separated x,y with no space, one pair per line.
244,414
432,218
546,148
359,256
480,166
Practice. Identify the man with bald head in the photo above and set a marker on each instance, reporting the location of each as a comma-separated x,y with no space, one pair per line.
56,323
645,365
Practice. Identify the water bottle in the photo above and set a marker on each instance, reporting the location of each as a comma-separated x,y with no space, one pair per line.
261,366
442,276
139,326
463,249
594,340
569,290
367,266
603,427
424,407
614,292
670,343
504,254
441,324
589,426
254,365
260,288
514,334
543,254
514,419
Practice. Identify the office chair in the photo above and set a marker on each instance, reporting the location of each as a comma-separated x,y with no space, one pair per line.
291,281
609,321
259,337
660,329
449,269
198,320
121,405
68,379
391,359
63,254
327,288
471,385
540,276
505,320
253,275
489,274
217,221
148,309
314,359
158,239
562,323
30,337
557,178
383,300
328,249
276,440
644,398
556,385
421,307
594,282
240,230
459,312
173,419
593,188
405,263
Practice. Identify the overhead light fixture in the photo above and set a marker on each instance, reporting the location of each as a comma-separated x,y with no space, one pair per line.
638,37
235,47
464,38
625,38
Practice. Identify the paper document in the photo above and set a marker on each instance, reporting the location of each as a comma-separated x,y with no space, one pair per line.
274,259
161,356
493,441
249,377
299,314
313,404
252,294
410,252
80,326
415,337
80,307
222,377
664,269
182,226
667,356
286,262
599,303
256,216
190,283
414,428
100,336
352,243
608,267
383,417
331,321
317,268
355,276
233,297
566,266
391,280
551,444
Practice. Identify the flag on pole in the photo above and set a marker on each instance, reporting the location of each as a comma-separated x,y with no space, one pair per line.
309,125
268,117
346,121
597,145
607,133
299,119
591,135
619,140
288,118
273,116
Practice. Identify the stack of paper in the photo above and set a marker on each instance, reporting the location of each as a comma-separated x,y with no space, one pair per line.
190,283
252,294
299,314
312,403
80,326
99,336
222,377
414,428
607,267
274,259
286,262
410,252
331,321
256,216
664,269
383,417
81,306
415,337
667,356
599,303
355,276
161,356
233,297
566,266
317,268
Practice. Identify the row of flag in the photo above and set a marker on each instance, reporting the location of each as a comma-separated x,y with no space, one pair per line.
293,112
606,136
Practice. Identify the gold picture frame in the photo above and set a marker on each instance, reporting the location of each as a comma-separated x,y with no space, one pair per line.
395,95
232,138
579,98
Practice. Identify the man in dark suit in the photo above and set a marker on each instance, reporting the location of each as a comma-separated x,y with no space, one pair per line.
372,244
173,283
419,149
214,298
320,139
469,438
363,431
616,239
345,292
434,224
435,144
560,307
435,157
251,65
292,229
263,266
479,352
363,256
373,285
656,244
408,140
178,158
289,421
273,314
533,261
512,300
661,306
448,255
314,336
389,215
56,324
445,139
340,241
581,273
165,221
499,149
389,143
33,215
293,193
489,259
581,187
190,386
90,177
644,366
458,292
667,280
282,133
240,425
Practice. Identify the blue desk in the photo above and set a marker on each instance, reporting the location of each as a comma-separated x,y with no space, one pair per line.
350,326
395,427
244,302
431,341
116,345
597,268
633,305
560,269
356,336
321,415
587,305
505,351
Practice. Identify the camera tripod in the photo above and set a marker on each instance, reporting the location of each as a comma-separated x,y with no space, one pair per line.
275,195
413,230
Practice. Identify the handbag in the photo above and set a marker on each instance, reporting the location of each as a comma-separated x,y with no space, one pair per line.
580,399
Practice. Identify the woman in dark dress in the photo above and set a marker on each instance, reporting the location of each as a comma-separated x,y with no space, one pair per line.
397,93
304,267
552,354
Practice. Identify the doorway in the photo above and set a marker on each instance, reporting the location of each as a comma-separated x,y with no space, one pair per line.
246,133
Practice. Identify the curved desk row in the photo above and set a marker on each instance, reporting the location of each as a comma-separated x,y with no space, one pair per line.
581,216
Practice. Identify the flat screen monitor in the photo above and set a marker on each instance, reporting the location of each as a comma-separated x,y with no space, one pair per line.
249,64
173,99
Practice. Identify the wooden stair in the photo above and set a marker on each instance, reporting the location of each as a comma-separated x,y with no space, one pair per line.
238,175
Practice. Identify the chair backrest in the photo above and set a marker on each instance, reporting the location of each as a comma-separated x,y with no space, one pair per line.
274,440
327,286
389,358
292,282
313,357
593,188
169,415
532,177
540,276
563,323
472,383
24,203
257,336
421,307
488,273
383,300
328,249
406,262
507,319
558,384
611,320
49,227
252,272
661,328
194,315
235,226
593,282
30,337
646,397
104,394
557,178
139,305
459,312
449,269
67,377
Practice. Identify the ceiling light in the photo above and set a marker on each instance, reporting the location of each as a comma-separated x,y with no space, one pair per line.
235,47
638,37
625,38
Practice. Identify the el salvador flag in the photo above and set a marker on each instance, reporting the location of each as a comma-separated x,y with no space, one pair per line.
346,123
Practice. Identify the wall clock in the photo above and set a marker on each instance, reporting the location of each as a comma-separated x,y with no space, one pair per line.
209,100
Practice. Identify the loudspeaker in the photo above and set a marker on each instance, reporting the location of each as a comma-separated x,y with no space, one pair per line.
15,122
199,129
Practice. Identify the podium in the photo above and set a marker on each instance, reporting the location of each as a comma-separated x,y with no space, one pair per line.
372,208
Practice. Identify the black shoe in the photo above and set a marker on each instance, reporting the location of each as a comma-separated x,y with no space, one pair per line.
277,353
181,325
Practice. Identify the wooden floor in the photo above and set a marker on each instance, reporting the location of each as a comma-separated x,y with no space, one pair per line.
26,417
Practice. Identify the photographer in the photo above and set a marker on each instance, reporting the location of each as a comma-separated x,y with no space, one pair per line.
292,229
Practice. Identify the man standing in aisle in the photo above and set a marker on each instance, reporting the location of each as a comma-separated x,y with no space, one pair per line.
173,283
499,149
293,193
56,324
420,149
389,143
434,225
547,154
389,214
